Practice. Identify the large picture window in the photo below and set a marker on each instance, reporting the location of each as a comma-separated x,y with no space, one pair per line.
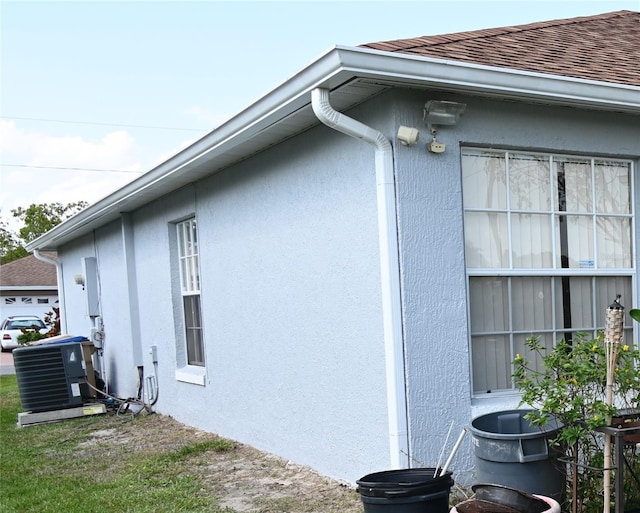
548,242
190,288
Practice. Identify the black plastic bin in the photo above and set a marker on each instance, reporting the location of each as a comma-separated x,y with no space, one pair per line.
510,451
405,491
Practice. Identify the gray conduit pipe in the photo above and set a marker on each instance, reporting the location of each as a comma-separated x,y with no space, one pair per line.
389,268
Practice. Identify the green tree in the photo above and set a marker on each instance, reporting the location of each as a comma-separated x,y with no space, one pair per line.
10,247
36,220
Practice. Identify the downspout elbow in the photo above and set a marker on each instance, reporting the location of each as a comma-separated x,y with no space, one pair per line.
42,258
349,126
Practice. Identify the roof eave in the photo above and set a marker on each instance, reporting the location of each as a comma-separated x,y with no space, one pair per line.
493,80
335,68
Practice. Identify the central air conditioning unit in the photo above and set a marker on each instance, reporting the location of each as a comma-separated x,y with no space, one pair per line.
51,376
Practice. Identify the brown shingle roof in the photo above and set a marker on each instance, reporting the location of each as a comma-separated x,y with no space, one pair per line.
28,272
605,47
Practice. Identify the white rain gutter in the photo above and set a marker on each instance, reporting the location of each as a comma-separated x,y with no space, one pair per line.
42,258
389,269
334,70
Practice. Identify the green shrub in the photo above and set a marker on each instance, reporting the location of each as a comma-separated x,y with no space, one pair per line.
570,386
29,336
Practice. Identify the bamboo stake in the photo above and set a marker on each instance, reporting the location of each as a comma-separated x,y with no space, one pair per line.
612,339
574,483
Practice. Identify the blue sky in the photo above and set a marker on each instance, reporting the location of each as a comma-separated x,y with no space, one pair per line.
93,93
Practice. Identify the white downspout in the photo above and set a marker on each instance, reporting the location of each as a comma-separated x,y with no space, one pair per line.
63,317
389,268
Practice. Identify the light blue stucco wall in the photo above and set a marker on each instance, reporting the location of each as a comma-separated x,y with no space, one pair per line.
291,286
291,280
291,304
78,322
429,192
116,363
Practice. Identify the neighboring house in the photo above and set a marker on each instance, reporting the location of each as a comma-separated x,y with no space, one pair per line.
313,287
28,286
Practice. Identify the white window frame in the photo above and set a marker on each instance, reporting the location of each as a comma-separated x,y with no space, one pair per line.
555,272
189,270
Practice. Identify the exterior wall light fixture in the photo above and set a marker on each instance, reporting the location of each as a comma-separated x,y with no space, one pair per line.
438,113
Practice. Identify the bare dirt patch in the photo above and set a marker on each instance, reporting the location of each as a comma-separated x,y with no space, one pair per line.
244,479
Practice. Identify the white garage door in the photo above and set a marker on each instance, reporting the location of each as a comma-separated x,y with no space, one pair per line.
27,305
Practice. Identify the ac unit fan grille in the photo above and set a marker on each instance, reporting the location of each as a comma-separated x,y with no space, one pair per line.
45,379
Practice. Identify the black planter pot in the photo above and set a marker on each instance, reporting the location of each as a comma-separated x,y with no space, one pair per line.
405,491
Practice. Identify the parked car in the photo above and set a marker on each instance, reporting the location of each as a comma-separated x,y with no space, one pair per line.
12,327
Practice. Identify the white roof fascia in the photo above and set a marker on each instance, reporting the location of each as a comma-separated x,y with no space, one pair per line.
503,82
336,68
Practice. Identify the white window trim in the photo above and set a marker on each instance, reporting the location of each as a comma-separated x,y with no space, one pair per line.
192,374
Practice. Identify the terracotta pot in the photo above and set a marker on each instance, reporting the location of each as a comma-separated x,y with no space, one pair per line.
479,506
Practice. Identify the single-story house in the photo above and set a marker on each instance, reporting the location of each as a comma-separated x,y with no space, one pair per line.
347,268
28,286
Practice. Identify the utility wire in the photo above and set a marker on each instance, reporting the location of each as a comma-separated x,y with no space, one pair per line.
75,168
105,124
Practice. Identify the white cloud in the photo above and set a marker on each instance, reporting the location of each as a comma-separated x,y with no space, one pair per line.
21,185
39,149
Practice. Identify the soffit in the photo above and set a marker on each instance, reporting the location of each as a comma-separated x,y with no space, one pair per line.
352,75
244,146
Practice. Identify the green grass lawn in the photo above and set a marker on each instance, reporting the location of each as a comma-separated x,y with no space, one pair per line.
44,468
